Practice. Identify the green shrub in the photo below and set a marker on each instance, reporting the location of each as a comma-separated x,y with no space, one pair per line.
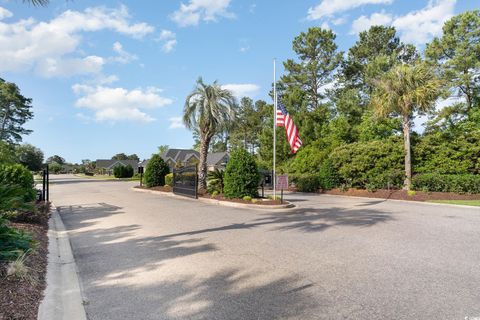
377,163
434,182
16,175
247,198
156,171
327,175
169,179
241,175
215,181
55,168
13,243
307,182
121,171
215,193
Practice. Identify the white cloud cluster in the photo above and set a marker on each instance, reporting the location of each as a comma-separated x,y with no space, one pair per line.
201,10
328,8
176,123
169,40
240,90
119,104
47,47
4,13
420,26
364,23
123,56
416,27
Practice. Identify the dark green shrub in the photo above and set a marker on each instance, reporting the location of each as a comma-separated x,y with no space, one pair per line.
156,171
18,175
169,179
460,183
12,242
55,168
327,175
306,182
241,175
121,171
362,163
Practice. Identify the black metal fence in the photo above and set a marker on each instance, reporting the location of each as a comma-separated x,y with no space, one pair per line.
185,181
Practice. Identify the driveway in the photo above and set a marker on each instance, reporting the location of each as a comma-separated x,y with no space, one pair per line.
145,256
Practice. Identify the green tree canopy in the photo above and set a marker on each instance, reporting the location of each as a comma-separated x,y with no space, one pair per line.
15,111
30,156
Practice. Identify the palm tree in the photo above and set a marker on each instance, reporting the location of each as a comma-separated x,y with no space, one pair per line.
406,90
208,109
37,2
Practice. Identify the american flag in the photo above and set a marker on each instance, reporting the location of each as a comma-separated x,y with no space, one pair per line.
284,120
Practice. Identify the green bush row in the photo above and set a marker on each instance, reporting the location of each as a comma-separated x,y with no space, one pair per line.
19,177
121,171
460,183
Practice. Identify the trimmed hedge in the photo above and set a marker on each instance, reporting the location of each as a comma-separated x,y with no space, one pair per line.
459,183
306,182
241,175
121,171
17,175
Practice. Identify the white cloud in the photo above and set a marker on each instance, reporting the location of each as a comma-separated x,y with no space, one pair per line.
328,8
119,104
4,13
169,40
51,67
201,10
240,90
420,26
364,23
176,123
123,57
47,47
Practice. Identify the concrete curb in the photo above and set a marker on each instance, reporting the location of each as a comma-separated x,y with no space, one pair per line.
63,298
288,205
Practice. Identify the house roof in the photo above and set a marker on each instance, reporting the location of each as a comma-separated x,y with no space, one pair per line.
215,158
109,164
181,155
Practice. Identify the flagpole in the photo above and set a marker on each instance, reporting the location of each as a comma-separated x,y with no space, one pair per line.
274,127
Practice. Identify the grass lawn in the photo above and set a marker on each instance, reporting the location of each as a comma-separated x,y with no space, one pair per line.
475,203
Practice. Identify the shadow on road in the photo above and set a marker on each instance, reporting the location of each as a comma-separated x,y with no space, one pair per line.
110,259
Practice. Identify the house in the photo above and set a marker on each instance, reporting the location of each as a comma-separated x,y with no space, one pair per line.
106,166
186,157
217,160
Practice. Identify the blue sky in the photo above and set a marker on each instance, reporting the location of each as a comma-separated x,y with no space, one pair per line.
111,76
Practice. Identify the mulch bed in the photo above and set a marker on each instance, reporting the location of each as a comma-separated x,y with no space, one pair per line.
218,197
403,195
19,299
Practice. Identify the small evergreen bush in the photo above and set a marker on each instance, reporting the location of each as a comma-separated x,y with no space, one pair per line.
156,171
307,182
121,171
16,175
328,177
247,198
241,175
169,179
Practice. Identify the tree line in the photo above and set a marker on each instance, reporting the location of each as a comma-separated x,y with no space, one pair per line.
356,110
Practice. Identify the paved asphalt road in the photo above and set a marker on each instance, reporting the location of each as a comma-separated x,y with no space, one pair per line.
145,256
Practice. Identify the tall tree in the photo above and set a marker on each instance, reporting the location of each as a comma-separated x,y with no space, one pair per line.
120,156
248,125
56,159
406,90
30,156
318,58
163,148
208,108
133,157
15,110
457,53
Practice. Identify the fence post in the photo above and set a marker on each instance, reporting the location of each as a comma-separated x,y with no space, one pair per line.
48,184
43,184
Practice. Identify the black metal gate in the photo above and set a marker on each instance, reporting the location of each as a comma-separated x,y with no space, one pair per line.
185,181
